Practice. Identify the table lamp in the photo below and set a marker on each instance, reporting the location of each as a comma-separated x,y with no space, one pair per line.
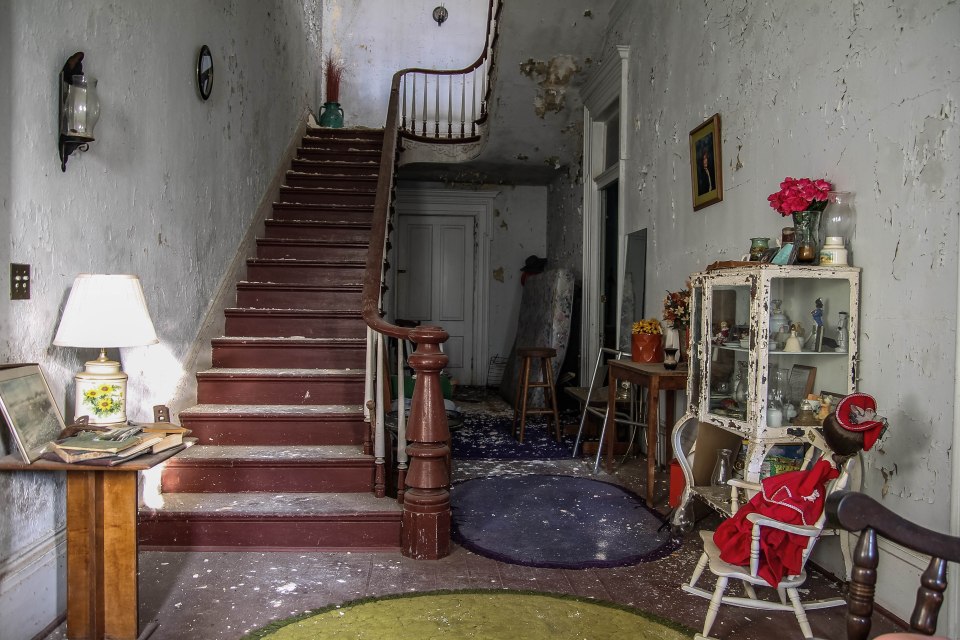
104,311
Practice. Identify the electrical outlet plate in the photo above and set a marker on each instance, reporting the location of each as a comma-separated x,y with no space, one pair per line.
19,281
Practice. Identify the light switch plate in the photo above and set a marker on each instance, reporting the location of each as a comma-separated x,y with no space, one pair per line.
19,281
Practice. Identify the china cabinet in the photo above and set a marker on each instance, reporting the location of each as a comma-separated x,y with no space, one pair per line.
763,337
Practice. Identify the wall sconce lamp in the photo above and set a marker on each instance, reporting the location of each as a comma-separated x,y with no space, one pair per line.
440,15
104,311
79,108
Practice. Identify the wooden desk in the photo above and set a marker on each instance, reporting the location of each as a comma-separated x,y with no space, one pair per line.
102,596
656,379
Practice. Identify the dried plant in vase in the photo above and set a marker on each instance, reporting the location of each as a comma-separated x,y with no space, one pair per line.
332,114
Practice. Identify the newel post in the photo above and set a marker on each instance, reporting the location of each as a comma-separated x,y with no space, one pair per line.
426,503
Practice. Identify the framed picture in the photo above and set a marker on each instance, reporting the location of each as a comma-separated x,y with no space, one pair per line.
832,397
706,166
786,254
29,410
818,339
769,255
800,381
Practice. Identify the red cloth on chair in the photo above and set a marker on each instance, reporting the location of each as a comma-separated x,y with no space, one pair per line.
795,497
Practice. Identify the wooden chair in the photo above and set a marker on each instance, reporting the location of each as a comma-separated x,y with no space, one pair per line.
749,575
858,512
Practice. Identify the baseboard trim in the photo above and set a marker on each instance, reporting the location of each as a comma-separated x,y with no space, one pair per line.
33,598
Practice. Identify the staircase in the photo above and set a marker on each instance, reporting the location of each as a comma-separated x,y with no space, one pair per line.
283,459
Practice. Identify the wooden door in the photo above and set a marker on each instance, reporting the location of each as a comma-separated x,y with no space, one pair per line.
435,282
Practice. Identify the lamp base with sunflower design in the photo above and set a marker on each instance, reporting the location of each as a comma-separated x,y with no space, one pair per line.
101,392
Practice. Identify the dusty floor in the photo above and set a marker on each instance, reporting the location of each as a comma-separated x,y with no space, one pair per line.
221,596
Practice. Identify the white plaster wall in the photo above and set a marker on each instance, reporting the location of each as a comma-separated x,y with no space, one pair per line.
862,93
565,231
166,192
376,38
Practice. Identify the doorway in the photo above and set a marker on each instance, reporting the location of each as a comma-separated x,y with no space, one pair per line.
442,252
435,282
609,248
605,152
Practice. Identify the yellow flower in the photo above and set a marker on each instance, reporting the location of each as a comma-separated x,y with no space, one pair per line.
106,404
104,388
90,393
649,325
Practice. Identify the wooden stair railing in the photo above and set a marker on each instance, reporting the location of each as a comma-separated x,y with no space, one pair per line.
423,483
434,103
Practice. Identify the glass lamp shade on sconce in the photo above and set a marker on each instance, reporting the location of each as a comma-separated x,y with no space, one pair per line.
104,311
79,108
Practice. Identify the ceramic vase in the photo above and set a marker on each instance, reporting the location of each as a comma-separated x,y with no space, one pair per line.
331,116
646,347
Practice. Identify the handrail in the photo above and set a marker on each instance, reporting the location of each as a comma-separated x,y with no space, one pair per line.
433,117
424,486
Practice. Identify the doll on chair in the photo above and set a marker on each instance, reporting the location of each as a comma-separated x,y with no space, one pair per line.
797,497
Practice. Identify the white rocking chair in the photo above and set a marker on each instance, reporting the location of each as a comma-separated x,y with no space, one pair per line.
786,588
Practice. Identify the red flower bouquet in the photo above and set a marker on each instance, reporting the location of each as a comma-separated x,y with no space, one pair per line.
801,194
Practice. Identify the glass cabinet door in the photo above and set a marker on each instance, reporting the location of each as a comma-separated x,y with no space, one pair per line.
727,337
770,337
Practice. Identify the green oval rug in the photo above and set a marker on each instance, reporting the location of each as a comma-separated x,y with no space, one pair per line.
487,615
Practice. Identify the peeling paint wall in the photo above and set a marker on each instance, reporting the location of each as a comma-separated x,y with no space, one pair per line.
165,192
376,38
862,93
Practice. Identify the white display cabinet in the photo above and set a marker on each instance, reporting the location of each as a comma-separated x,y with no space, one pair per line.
732,340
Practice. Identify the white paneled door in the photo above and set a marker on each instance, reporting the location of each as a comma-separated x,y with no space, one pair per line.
435,282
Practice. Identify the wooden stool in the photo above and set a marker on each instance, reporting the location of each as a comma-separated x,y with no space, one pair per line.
544,354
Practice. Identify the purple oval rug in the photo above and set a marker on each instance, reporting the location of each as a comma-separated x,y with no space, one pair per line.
553,521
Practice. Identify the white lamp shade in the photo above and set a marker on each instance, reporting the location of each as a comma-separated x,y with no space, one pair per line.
105,311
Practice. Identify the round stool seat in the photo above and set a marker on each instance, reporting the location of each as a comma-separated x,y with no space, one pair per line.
536,352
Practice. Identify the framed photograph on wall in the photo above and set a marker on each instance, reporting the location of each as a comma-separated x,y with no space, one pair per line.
29,410
706,166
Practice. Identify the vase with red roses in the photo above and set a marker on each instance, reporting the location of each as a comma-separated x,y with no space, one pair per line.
805,200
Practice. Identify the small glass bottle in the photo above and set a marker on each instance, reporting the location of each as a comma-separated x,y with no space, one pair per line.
740,383
722,469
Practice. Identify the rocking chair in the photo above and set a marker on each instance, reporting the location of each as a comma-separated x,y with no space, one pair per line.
788,585
861,513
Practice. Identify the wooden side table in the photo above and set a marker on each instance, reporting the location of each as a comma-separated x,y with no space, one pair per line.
102,596
656,378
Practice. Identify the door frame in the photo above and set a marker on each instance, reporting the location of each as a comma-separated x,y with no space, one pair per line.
478,205
606,91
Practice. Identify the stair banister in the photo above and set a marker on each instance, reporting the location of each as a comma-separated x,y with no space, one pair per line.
426,500
424,490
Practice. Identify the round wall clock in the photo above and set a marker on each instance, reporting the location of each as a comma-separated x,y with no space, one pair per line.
205,72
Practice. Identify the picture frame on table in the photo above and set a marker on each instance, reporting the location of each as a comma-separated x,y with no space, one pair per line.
706,166
29,410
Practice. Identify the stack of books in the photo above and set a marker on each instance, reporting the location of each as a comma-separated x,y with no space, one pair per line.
116,445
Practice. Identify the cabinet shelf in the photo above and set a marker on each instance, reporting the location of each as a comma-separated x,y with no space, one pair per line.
784,353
